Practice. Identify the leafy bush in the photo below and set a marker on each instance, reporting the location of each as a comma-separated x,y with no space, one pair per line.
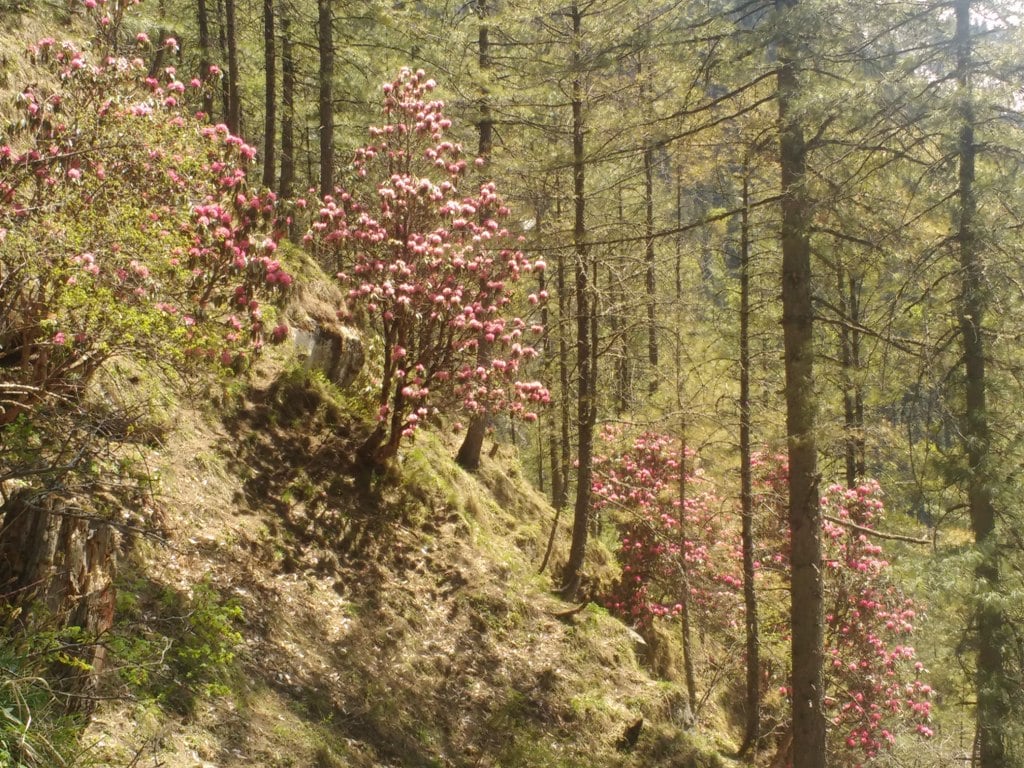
35,731
174,648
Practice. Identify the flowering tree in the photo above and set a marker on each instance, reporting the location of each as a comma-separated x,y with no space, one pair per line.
125,226
126,230
433,267
873,686
874,690
665,544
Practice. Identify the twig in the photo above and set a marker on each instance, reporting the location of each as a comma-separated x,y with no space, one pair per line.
876,534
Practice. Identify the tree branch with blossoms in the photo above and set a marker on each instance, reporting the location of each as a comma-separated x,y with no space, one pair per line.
424,254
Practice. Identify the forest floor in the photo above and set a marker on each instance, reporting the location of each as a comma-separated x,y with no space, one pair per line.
400,625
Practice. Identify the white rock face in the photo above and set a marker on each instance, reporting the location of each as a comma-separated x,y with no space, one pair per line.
331,348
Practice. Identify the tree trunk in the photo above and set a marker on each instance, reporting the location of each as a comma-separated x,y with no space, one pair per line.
557,479
849,361
618,327
798,322
203,20
469,452
565,442
62,564
286,181
325,44
684,578
858,445
649,262
222,47
269,95
234,117
752,724
586,406
992,710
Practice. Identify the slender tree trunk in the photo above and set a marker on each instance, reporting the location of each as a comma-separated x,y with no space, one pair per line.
797,322
992,710
620,339
286,182
222,46
859,445
203,21
269,95
752,724
563,371
684,576
325,43
849,360
472,445
679,239
846,375
234,116
558,493
649,263
616,326
586,411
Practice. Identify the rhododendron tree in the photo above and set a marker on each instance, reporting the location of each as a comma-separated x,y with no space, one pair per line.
425,254
666,544
126,226
874,691
127,230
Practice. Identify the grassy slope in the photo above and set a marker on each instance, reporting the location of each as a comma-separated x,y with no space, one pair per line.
405,625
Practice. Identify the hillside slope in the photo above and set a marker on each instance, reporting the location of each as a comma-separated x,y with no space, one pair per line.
404,625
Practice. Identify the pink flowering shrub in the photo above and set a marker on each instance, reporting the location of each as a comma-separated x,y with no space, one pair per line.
874,691
665,544
874,688
425,255
126,227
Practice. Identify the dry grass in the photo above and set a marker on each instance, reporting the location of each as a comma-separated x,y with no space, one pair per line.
405,626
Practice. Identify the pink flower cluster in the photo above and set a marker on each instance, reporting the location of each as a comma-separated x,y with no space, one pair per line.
107,142
664,544
432,265
874,688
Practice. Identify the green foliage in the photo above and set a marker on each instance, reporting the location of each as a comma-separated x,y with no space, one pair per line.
175,648
35,730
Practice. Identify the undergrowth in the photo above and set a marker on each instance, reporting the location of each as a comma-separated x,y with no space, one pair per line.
36,730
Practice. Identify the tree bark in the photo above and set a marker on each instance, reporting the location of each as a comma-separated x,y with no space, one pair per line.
649,263
62,564
849,360
286,181
269,95
203,21
752,724
563,371
234,113
469,452
798,322
992,710
222,47
325,44
684,578
586,406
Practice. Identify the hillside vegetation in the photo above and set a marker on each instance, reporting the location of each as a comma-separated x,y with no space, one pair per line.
403,384
403,626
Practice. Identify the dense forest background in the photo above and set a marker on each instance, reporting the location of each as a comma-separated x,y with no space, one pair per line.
743,300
